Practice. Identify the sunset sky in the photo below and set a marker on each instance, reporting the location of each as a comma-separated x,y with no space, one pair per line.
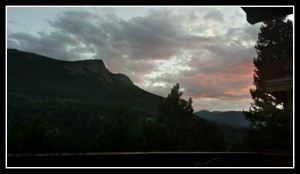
208,50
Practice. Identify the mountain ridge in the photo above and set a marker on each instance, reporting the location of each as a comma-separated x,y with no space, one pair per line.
85,80
231,118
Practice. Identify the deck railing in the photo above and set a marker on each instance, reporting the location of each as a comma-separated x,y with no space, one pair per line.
154,159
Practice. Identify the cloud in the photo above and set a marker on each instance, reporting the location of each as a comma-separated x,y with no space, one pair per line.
213,104
208,52
215,15
246,34
53,45
11,22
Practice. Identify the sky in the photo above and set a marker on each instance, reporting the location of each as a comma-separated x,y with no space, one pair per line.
209,51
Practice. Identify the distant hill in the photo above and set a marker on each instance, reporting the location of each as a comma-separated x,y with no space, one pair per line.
87,80
231,118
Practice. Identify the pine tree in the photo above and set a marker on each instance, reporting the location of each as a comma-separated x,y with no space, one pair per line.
268,115
174,108
175,115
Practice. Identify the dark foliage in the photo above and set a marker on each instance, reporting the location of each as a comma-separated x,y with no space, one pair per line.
268,115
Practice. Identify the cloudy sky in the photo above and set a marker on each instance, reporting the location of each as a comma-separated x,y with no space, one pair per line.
208,50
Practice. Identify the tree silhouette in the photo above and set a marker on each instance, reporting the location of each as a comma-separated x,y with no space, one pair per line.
174,115
268,115
181,130
174,108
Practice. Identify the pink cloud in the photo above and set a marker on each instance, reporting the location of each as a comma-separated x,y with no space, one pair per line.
114,67
232,83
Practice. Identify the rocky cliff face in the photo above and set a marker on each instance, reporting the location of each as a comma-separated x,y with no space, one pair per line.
98,68
80,67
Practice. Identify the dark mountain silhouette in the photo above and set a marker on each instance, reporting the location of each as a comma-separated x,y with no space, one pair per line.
80,106
87,80
231,118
